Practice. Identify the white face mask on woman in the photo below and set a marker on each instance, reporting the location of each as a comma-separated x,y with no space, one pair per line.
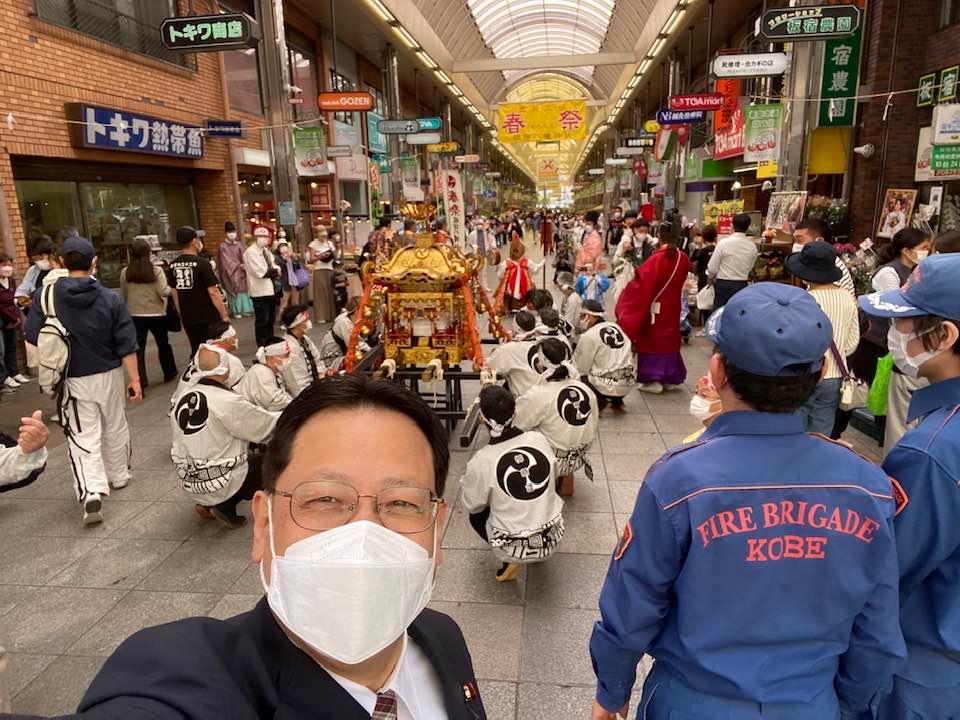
351,591
42,264
909,365
701,408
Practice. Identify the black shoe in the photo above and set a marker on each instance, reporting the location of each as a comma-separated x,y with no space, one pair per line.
230,519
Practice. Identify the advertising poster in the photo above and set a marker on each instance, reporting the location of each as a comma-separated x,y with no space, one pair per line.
720,215
762,132
454,201
310,151
785,211
897,211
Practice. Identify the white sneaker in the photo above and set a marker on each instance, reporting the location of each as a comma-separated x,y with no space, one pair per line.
91,509
21,378
11,383
654,388
117,484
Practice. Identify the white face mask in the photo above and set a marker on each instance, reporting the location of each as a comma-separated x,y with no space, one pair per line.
921,255
263,240
351,591
909,364
231,236
701,408
43,264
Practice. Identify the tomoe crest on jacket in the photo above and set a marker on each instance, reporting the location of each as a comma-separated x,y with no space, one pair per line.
612,337
192,412
523,473
573,404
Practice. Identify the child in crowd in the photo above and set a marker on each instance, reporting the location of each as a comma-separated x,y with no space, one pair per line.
508,489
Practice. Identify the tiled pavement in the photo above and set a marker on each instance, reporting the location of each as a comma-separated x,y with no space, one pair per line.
70,594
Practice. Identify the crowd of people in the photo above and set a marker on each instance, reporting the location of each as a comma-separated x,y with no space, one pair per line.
768,569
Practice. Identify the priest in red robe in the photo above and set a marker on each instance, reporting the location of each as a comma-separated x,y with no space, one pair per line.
649,313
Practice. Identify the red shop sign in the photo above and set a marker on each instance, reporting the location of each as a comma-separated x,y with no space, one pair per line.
698,101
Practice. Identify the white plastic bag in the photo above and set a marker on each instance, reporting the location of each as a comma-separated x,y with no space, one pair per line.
705,298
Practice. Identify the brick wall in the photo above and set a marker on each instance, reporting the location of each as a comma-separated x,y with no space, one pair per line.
920,49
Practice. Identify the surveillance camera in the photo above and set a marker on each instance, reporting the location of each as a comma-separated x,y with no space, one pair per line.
736,186
294,89
865,151
767,185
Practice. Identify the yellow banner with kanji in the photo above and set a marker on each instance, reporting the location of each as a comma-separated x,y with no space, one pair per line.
532,122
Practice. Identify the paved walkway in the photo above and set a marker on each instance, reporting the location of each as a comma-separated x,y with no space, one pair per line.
69,594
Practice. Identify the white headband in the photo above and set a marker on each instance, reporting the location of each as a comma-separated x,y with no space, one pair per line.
298,320
594,313
276,350
223,364
228,334
496,429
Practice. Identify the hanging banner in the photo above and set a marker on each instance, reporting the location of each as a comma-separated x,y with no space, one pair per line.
532,122
761,132
720,215
924,169
410,172
376,140
546,168
346,134
840,79
353,167
728,123
454,201
310,151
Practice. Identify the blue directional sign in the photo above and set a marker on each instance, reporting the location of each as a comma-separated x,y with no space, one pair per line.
429,123
224,128
680,117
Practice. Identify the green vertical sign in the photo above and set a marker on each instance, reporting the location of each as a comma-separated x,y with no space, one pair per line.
840,79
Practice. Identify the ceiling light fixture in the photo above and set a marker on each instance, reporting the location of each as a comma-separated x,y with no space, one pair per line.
443,77
404,36
382,11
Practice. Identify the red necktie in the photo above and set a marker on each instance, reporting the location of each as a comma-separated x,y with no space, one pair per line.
386,708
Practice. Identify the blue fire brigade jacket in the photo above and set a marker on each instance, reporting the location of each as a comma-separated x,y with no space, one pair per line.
926,463
759,568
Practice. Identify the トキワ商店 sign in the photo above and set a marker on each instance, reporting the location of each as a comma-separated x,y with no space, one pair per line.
209,33
109,129
809,23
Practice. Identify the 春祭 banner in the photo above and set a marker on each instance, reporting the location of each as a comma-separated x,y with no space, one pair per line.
534,122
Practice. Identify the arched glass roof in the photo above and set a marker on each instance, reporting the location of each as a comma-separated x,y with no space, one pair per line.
545,86
528,28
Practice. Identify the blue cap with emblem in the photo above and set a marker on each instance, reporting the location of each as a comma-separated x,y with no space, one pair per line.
771,329
930,290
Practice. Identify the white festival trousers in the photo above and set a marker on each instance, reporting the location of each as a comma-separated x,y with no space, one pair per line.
98,440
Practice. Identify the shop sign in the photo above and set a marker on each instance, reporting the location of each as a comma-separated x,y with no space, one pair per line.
643,140
287,214
335,151
345,101
766,169
680,117
809,23
424,139
761,132
353,167
374,177
446,148
839,81
699,101
946,124
533,122
209,33
728,123
224,128
720,214
398,127
309,149
454,201
945,157
627,151
467,159
750,65
948,84
375,139
346,134
547,168
927,90
650,128
410,174
924,171
429,124
108,129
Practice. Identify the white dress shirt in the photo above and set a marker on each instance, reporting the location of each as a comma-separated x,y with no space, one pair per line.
415,683
734,258
258,261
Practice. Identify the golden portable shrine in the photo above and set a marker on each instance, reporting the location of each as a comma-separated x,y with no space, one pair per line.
423,303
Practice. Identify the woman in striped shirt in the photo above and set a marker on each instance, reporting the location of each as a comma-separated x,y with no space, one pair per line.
816,266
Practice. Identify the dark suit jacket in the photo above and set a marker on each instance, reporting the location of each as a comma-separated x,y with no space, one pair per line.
245,668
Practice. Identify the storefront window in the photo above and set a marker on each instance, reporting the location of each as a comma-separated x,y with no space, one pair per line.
48,208
949,13
115,213
242,68
303,71
343,84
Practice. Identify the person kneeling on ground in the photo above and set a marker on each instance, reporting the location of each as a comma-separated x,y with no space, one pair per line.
263,383
563,409
604,357
513,360
305,366
508,489
224,336
24,459
333,346
212,429
550,327
569,307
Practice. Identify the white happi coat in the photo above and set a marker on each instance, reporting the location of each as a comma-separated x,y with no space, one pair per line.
605,357
263,387
516,479
212,429
570,315
296,375
18,468
566,412
514,361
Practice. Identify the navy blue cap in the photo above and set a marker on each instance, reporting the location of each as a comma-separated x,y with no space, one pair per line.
772,329
77,244
931,289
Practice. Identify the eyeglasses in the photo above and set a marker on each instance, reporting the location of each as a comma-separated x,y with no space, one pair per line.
326,504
